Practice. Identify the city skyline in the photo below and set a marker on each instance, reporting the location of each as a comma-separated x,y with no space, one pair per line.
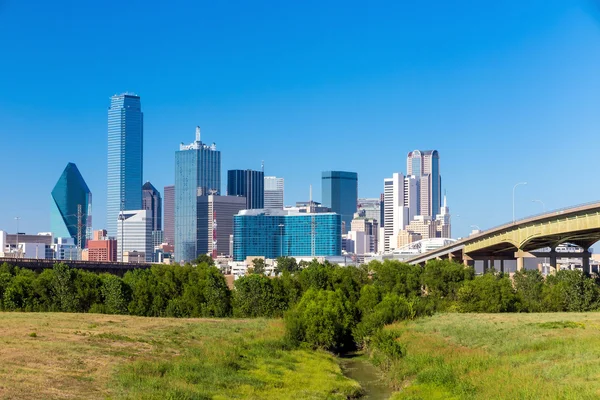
500,108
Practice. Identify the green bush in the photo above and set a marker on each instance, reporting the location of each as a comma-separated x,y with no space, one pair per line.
322,319
490,293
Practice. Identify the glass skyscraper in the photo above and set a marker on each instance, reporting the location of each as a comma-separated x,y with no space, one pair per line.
247,183
339,191
151,201
272,233
68,194
125,158
197,173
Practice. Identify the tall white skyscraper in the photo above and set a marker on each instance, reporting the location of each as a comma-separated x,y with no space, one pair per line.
396,215
125,158
273,192
134,233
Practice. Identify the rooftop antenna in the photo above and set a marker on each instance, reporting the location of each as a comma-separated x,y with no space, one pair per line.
262,166
197,133
310,195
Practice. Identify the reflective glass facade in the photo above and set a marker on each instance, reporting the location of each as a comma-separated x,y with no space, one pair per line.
249,184
152,202
69,192
125,158
272,234
339,191
197,173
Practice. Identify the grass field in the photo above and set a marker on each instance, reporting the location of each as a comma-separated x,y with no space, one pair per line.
499,356
91,356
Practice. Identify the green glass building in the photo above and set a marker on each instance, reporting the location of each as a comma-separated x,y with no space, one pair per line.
66,217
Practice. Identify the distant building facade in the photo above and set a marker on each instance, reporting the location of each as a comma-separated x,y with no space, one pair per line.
169,214
152,201
339,191
125,157
215,222
273,192
248,184
273,233
197,173
424,165
134,233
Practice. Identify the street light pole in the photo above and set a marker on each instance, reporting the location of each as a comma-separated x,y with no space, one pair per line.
18,252
542,203
513,197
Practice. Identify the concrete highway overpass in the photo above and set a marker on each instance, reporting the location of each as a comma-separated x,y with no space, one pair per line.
579,225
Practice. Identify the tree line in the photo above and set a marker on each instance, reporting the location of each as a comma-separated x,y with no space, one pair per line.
323,305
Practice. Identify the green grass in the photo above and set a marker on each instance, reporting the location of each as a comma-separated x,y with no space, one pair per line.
91,356
499,356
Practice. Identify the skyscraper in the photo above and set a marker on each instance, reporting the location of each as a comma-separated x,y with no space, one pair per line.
197,173
152,202
273,192
169,217
215,222
425,166
125,157
70,211
134,233
247,183
339,191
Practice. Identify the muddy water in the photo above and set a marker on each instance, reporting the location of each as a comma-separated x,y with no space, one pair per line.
367,375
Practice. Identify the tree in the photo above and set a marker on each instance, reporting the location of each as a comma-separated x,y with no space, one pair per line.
254,296
204,258
259,266
393,276
442,278
323,319
491,293
529,285
288,264
570,291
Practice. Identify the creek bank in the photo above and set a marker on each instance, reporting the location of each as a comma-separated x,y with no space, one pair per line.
370,378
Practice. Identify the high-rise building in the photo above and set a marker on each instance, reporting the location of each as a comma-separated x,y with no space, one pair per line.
197,173
169,216
396,215
249,184
339,191
70,210
125,157
134,233
444,228
370,207
370,226
425,166
215,222
273,192
151,201
272,233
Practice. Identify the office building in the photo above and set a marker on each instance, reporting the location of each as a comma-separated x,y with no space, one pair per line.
169,215
151,201
369,226
249,184
425,167
443,223
134,233
424,226
64,248
273,192
339,191
197,173
272,233
104,250
371,208
396,215
125,157
406,238
70,209
215,223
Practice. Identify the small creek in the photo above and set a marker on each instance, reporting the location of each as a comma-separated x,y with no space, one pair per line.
367,375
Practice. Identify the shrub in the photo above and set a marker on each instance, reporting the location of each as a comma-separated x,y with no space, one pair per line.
489,293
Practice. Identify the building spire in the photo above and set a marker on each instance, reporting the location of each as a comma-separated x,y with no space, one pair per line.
197,133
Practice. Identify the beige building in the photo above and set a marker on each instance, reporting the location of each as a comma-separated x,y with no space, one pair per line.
367,225
424,226
406,237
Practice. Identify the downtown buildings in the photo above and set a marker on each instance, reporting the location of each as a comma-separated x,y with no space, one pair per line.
125,158
248,184
273,192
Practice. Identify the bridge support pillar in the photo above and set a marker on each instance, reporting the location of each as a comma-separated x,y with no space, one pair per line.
585,262
520,256
502,266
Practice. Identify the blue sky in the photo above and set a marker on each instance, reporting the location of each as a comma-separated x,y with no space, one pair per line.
506,91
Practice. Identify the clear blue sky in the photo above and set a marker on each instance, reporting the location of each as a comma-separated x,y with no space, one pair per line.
507,91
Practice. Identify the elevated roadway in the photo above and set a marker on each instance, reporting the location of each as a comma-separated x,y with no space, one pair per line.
579,225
